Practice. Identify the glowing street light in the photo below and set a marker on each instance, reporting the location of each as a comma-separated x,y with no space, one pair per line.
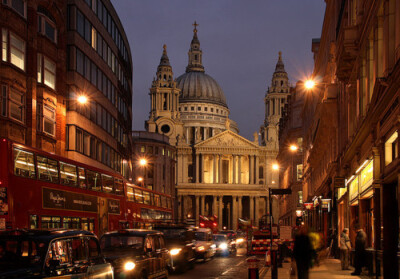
143,162
309,84
275,167
82,99
293,147
140,179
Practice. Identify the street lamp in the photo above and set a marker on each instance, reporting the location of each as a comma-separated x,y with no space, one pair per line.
275,166
82,99
143,162
309,84
140,180
294,147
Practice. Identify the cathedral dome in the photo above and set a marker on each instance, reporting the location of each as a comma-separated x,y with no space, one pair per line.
200,87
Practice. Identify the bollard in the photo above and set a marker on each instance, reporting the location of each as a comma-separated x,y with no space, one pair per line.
274,264
253,268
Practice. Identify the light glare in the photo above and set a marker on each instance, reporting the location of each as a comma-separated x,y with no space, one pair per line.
82,99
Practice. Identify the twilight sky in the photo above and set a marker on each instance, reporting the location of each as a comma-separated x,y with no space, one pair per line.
240,40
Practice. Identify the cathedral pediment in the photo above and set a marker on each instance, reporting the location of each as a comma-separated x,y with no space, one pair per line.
227,139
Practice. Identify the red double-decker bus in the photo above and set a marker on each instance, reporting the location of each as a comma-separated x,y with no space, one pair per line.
43,190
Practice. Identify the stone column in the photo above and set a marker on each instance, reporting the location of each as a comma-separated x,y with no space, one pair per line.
202,167
252,208
214,206
197,210
256,217
240,208
228,212
251,173
215,169
234,213
197,168
220,206
257,170
202,204
183,208
240,169
234,169
220,169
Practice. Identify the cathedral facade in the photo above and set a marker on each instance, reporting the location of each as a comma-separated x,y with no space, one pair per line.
219,172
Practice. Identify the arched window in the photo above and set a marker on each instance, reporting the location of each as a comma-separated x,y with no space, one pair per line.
46,24
261,172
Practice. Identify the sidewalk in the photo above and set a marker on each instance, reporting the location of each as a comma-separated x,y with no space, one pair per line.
328,269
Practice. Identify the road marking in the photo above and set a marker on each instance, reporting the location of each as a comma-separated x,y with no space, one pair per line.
225,272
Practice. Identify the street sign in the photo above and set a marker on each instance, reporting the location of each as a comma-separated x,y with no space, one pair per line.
280,191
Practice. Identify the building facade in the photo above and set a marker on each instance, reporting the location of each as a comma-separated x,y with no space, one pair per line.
218,171
351,127
53,53
290,158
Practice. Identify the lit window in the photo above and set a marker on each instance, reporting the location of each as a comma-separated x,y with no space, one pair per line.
94,38
49,120
17,106
299,171
24,164
17,49
47,169
4,44
49,73
68,174
391,148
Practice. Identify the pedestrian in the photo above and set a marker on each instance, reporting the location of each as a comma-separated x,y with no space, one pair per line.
345,247
359,256
302,253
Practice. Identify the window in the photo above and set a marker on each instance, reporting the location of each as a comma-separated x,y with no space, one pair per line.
146,196
49,73
24,164
79,141
391,148
129,193
93,180
49,120
18,5
108,183
4,45
17,52
68,174
300,197
47,169
3,101
17,106
119,187
51,222
82,178
299,172
47,28
94,38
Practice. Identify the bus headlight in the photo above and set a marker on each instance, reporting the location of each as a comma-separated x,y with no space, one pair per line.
128,266
223,246
175,252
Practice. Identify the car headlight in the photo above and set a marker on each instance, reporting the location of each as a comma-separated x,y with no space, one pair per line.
223,246
128,266
239,240
213,246
174,252
200,248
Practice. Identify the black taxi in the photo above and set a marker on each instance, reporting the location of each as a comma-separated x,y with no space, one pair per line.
56,253
136,253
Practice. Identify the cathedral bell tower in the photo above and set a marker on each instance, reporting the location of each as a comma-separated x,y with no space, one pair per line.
275,100
195,54
164,94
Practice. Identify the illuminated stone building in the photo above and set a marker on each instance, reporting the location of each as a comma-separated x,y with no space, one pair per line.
52,53
219,172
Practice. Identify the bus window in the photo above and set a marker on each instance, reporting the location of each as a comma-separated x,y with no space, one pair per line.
68,174
75,223
93,180
67,223
129,193
33,222
157,200
119,187
82,178
146,196
47,169
24,164
108,183
164,201
49,222
138,196
85,224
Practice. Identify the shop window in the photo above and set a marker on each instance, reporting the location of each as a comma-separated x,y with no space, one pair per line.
93,180
391,148
24,164
47,169
17,106
68,174
108,183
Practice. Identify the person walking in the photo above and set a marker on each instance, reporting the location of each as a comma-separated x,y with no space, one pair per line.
359,256
345,247
302,254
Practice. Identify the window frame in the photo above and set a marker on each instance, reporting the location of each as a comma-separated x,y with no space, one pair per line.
42,20
15,102
12,47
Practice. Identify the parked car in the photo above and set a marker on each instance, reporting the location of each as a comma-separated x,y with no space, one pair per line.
180,241
224,245
52,253
205,246
136,253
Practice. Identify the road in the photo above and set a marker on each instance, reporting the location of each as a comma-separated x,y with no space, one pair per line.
232,266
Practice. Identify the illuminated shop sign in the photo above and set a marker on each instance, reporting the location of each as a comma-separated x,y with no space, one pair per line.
326,204
341,192
362,179
367,176
353,189
309,205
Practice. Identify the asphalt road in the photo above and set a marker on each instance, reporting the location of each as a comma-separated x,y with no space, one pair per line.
232,266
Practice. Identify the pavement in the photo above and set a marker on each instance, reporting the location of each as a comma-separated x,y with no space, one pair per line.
328,268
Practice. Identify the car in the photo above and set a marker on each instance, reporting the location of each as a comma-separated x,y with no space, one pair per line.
224,245
180,241
136,253
205,246
52,253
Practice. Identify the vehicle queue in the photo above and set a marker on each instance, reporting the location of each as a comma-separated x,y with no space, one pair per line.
126,253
